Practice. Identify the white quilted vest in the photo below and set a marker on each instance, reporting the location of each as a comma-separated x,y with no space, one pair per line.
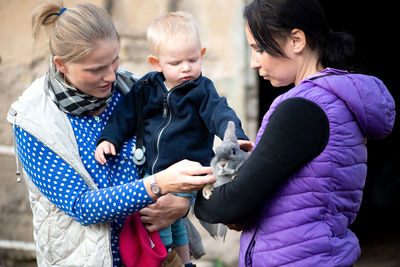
59,240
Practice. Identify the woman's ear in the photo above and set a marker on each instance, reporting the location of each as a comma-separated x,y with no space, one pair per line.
156,64
299,40
60,64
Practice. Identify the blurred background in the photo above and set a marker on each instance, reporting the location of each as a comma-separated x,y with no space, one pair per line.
226,62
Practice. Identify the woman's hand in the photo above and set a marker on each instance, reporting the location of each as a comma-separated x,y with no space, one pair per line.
184,176
164,212
237,226
246,145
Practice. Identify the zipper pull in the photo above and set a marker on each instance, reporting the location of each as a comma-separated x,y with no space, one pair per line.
17,173
11,117
165,106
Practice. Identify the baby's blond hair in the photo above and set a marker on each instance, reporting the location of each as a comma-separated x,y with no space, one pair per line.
174,26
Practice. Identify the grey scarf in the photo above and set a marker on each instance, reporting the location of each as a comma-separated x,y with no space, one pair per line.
74,102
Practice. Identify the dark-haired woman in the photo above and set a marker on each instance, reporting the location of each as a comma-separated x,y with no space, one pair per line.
298,193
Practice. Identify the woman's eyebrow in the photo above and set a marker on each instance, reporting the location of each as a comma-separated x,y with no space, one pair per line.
100,66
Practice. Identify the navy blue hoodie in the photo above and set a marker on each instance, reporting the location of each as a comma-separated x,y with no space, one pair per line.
177,124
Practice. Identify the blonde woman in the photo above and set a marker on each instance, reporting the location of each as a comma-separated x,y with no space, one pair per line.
78,205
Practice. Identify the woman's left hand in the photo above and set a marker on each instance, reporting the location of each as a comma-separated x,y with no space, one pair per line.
246,145
184,176
164,212
236,226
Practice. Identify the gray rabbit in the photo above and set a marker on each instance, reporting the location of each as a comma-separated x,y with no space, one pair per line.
225,165
227,161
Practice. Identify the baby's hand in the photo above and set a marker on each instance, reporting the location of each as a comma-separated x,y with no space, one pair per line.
104,148
246,145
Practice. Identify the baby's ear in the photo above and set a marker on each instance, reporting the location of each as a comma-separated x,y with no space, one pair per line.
154,61
203,51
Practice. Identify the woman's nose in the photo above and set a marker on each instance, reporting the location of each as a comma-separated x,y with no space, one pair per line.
254,63
110,75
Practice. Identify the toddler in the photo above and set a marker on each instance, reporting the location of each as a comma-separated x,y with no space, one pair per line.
179,111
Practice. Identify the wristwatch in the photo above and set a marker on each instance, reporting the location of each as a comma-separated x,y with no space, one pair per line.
154,187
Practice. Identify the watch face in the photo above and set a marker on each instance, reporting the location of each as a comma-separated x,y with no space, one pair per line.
155,189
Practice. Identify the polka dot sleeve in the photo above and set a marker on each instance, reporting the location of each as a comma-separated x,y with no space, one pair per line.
63,186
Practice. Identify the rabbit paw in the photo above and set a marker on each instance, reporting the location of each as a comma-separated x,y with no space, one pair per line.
207,191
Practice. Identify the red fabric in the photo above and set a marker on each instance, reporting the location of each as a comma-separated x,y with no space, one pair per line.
135,247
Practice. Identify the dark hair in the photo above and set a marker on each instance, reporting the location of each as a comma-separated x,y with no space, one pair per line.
272,20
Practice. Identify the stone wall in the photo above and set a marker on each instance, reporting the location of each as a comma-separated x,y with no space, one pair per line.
221,28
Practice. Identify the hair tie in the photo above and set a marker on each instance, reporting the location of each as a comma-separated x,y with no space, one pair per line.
62,11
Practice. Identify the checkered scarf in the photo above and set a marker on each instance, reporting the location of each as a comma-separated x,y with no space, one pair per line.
74,102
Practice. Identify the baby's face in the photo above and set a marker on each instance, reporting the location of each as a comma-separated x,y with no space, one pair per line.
180,61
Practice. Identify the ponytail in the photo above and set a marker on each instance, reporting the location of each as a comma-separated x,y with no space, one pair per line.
73,32
46,15
338,51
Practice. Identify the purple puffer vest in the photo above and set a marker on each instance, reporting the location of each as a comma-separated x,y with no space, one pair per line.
306,223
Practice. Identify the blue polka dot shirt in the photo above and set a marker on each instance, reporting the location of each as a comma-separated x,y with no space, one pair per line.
120,193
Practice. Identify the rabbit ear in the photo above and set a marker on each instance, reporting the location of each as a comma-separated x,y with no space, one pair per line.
230,132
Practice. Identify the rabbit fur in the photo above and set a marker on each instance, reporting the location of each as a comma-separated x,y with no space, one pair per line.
227,161
225,165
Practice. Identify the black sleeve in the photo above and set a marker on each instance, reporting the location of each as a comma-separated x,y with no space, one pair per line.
297,132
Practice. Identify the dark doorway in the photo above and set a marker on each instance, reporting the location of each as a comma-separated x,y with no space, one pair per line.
375,27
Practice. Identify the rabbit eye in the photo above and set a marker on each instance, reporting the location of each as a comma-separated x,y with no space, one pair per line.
233,151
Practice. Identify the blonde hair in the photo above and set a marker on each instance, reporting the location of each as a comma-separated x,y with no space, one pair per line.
73,32
174,26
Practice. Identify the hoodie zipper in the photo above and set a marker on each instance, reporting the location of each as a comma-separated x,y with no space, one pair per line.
165,106
166,115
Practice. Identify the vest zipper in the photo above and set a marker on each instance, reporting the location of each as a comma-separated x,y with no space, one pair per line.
13,114
248,258
108,225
